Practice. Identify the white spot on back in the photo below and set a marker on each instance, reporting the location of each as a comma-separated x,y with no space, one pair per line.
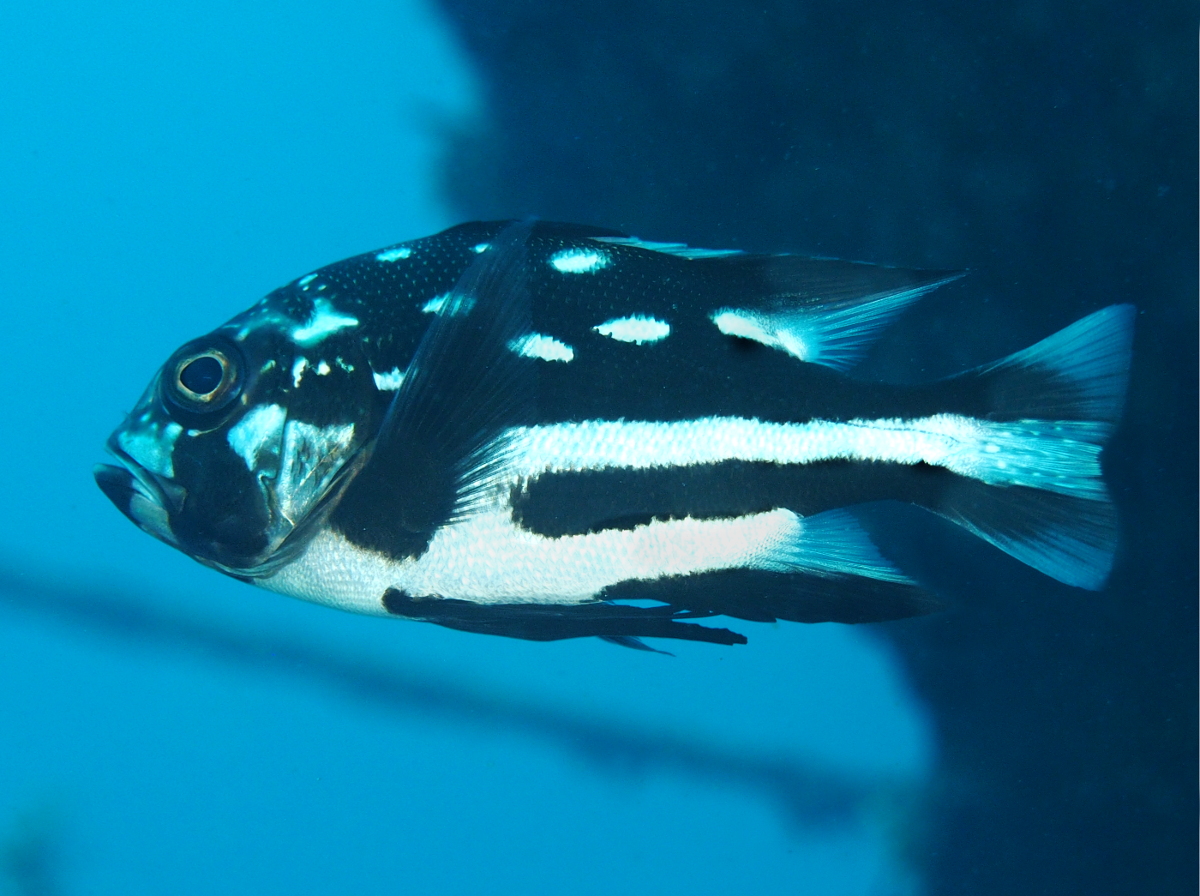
761,328
680,250
834,333
259,430
436,304
480,248
636,329
449,303
390,381
304,281
544,348
578,261
397,254
324,322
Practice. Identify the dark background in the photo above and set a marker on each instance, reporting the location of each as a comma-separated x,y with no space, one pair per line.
1049,148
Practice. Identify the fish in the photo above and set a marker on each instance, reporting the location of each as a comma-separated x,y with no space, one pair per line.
544,430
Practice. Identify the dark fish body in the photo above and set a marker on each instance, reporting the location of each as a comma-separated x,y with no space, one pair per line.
547,430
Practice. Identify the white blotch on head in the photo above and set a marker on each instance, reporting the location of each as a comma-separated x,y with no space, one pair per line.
449,303
634,329
298,368
578,261
262,314
151,445
270,365
325,321
397,254
480,248
349,368
322,368
259,430
544,348
390,381
304,281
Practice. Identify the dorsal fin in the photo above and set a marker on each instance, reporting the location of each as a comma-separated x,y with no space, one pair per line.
819,310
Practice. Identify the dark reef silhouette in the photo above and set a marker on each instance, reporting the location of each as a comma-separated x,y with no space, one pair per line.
1051,149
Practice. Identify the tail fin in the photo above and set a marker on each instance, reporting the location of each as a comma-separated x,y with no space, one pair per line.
1035,490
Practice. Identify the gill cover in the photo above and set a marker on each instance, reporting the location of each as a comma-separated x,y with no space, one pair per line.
231,457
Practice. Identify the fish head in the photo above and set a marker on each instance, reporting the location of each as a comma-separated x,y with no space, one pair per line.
245,439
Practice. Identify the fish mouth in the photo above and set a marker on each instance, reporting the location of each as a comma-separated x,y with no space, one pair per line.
144,497
151,502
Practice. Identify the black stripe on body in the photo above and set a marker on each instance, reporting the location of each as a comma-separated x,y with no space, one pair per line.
561,504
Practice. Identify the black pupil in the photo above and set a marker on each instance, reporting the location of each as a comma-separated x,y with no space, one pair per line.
202,375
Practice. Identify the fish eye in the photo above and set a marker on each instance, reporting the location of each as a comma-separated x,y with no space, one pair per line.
200,380
202,376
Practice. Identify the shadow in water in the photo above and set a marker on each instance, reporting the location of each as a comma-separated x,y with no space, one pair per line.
809,796
31,853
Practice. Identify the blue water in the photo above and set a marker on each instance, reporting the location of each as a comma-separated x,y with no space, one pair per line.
169,730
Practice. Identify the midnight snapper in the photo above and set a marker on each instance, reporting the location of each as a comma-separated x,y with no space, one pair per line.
549,431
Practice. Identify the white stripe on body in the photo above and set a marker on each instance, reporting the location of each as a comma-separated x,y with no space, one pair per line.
488,559
1013,453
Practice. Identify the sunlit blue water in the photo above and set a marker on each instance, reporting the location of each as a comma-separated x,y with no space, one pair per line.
161,168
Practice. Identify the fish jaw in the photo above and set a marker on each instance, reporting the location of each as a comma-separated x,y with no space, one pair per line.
144,497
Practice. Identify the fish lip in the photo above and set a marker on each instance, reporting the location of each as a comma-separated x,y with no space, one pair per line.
151,486
125,484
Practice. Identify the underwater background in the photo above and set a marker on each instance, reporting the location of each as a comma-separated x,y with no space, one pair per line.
164,729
